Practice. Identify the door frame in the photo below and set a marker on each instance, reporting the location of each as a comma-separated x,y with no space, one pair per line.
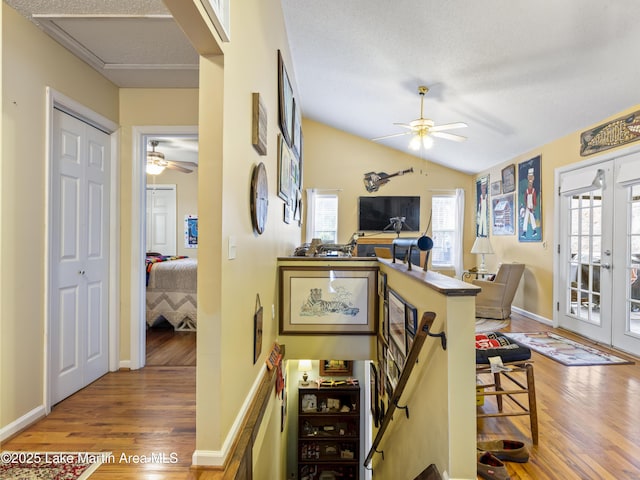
611,155
55,99
140,135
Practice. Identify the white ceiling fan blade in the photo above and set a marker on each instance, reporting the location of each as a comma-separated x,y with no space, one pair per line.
448,126
405,125
448,136
173,166
391,136
184,164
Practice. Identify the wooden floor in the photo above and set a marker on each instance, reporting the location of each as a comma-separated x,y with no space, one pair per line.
165,347
587,416
588,419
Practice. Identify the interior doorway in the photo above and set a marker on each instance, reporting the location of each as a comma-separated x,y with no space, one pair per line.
171,249
142,137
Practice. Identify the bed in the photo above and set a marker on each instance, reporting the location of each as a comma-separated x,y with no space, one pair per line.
171,291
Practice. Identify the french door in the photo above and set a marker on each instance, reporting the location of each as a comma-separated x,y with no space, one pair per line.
598,290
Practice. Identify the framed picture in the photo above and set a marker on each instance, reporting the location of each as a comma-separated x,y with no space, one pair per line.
529,201
259,125
509,179
496,188
382,285
373,391
482,203
610,135
336,368
297,130
411,317
397,321
503,215
285,102
191,231
327,300
257,330
284,169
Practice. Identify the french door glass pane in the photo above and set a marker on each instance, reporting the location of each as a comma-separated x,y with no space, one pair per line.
585,243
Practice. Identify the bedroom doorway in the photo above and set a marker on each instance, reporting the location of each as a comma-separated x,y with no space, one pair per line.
170,199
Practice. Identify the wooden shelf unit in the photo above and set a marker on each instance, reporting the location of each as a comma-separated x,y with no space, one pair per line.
328,432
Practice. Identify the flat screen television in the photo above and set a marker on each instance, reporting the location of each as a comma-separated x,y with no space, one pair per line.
374,213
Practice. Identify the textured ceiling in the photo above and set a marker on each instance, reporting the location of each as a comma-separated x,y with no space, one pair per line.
519,73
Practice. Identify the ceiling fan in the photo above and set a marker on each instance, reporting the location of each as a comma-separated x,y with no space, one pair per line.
423,129
156,162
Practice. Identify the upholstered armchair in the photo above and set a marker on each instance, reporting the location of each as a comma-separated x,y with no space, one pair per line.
494,301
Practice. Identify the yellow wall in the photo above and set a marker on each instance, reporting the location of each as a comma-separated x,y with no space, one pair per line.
143,107
535,294
334,159
226,370
31,62
186,202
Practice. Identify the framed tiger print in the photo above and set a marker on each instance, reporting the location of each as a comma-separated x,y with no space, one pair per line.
328,299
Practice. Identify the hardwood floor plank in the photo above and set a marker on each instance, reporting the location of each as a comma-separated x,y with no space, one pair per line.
140,412
587,421
587,418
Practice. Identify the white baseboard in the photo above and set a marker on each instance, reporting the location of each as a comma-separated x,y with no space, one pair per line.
125,364
22,422
217,458
533,316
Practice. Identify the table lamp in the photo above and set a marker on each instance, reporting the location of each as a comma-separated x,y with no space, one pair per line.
482,245
304,366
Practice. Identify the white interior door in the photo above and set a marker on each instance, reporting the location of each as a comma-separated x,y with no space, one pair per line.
79,255
586,235
161,219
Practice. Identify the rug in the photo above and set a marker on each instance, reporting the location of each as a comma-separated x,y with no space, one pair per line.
50,465
565,351
490,325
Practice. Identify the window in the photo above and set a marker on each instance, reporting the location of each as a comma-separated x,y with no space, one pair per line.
444,226
325,218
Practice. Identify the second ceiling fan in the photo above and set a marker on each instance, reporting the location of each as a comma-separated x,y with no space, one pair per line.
423,129
156,162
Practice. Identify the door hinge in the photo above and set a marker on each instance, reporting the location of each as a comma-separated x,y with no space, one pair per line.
557,306
558,248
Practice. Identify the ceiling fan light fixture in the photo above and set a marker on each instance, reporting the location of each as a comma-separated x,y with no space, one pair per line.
415,143
154,168
427,142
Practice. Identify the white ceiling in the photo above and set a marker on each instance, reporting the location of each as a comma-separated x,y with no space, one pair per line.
519,73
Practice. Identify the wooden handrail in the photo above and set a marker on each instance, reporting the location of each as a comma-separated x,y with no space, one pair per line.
421,336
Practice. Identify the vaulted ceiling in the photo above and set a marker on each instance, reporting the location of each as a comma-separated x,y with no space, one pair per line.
519,73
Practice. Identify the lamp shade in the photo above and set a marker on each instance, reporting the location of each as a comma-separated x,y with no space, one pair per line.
482,245
304,365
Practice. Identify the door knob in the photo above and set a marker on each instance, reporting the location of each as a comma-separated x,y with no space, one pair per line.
606,266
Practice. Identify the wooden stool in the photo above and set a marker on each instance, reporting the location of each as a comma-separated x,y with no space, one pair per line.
507,382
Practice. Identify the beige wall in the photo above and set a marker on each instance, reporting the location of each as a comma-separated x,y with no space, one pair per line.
226,370
31,62
535,294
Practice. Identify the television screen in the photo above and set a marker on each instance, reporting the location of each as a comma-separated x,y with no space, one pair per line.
375,213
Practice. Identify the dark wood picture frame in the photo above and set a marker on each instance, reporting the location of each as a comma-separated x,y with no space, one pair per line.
336,368
285,101
373,392
257,330
284,169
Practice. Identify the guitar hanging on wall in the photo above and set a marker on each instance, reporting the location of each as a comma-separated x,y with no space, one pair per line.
373,181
